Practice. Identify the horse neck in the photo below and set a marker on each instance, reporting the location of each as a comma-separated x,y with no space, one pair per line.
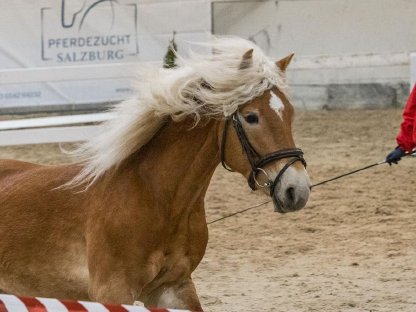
178,163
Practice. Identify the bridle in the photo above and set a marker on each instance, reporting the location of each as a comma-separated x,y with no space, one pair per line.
257,162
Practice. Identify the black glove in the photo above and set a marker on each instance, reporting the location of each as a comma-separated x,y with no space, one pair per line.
394,156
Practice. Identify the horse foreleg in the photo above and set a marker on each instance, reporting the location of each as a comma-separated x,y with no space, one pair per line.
113,291
113,283
175,295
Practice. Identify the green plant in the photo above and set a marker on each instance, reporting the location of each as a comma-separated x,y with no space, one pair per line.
170,56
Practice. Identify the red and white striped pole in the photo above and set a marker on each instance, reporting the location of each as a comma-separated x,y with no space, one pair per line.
10,303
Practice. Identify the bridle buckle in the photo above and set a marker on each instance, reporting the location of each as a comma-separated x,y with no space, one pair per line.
269,181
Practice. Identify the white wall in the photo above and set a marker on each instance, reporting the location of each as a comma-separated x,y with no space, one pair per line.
337,43
413,69
321,27
349,53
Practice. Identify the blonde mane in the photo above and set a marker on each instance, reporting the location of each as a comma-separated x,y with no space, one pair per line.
204,84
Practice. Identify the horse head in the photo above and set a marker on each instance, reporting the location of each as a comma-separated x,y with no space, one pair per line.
257,141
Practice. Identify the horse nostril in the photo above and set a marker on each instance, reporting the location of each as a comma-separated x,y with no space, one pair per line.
290,194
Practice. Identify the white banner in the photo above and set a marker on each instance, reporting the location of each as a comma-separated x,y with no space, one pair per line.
71,52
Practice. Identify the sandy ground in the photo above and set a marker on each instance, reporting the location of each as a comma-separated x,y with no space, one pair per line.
353,248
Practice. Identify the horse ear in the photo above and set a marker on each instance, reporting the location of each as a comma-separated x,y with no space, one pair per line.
284,62
247,60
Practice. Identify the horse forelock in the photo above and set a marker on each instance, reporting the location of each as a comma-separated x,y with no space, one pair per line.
210,83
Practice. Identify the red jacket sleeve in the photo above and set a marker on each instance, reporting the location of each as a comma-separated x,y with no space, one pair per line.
407,136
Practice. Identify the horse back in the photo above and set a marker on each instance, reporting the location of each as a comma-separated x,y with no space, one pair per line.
15,170
9,167
31,197
34,193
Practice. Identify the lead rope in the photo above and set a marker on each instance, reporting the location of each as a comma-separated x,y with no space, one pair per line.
348,173
358,170
238,212
312,186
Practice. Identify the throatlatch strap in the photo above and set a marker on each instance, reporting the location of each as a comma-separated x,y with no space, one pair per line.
223,141
248,148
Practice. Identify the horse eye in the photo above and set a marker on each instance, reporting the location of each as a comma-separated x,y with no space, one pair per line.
252,118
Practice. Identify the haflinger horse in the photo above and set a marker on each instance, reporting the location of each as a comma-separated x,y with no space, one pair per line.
126,222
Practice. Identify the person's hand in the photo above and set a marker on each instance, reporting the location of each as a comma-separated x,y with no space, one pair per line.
394,156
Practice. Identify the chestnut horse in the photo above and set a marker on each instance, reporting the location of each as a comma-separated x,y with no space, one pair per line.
127,221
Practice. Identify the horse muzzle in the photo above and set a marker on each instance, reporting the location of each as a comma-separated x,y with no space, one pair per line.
292,191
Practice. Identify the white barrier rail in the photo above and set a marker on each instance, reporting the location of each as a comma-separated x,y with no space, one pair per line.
54,121
55,129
